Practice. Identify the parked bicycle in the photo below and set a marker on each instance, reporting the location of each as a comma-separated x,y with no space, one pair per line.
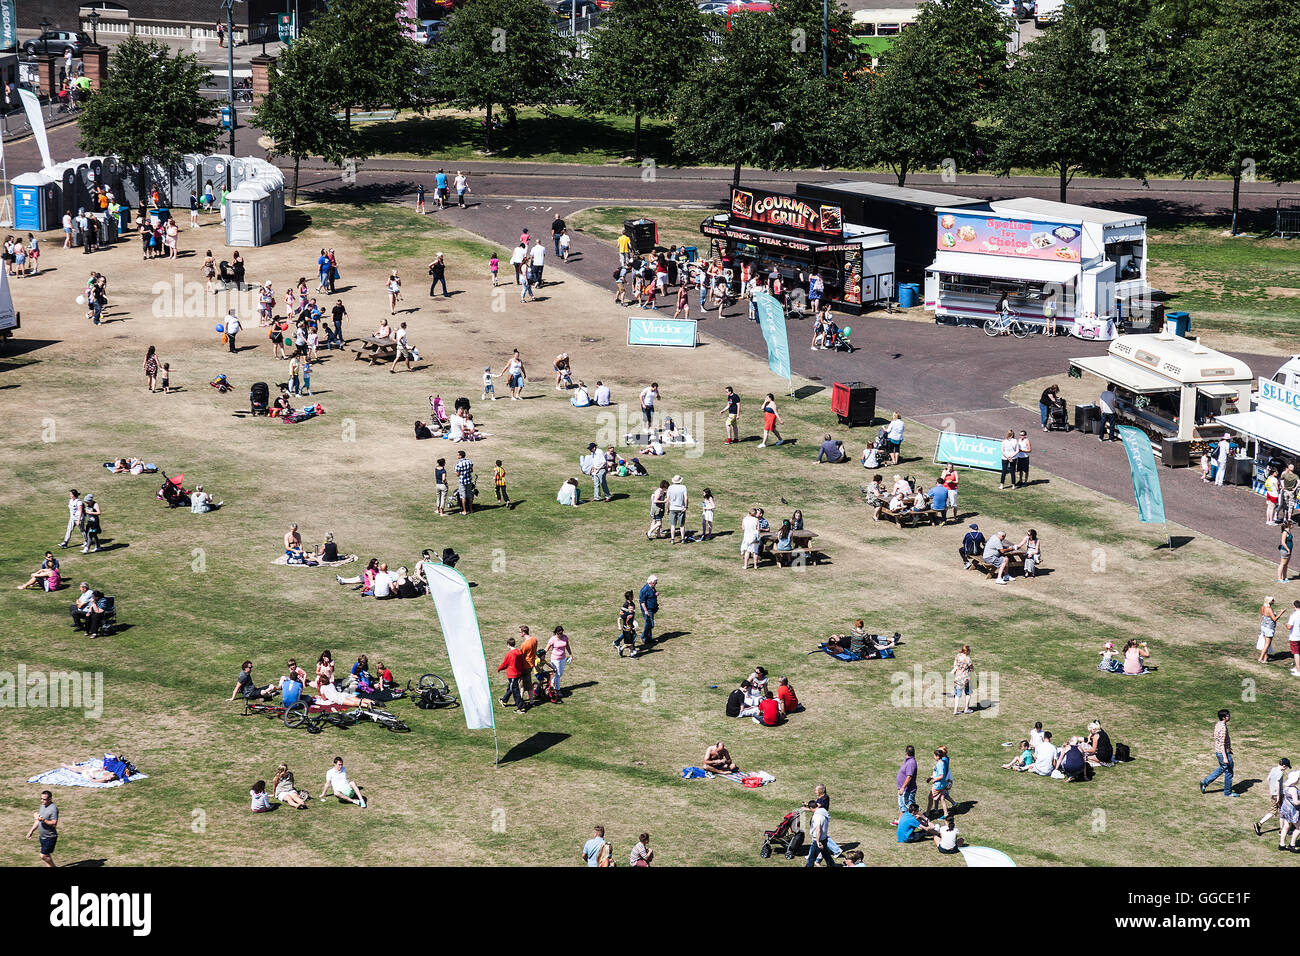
1007,323
431,693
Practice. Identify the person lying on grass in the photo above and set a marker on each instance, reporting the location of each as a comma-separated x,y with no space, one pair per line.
869,645
718,760
332,693
114,768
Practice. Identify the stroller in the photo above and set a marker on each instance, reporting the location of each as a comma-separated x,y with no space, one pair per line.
796,304
221,383
838,338
438,417
1056,417
226,274
259,398
788,836
173,492
544,684
453,497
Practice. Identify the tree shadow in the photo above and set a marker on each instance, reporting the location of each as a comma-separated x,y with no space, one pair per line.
534,745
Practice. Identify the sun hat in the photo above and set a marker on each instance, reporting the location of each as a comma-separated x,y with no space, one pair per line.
677,479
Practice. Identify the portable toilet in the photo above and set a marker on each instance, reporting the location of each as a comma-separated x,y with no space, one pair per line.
240,170
187,178
214,171
37,199
159,178
269,177
248,216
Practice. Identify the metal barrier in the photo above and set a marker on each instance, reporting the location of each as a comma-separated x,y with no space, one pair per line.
1288,218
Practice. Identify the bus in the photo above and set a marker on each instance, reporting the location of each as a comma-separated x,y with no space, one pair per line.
873,31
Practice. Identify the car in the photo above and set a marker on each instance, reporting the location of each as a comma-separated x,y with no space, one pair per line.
1015,9
586,8
56,41
433,31
714,6
1046,11
604,4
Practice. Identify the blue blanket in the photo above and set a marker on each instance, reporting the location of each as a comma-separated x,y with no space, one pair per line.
68,778
841,655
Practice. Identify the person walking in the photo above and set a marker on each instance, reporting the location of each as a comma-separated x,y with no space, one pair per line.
1275,777
732,413
557,230
1223,754
1106,404
1293,639
512,665
649,601
1284,548
419,198
906,781
45,822
76,515
465,475
232,329
771,418
940,782
517,260
819,833
961,668
338,313
151,369
90,525
894,435
437,274
649,395
599,474
394,292
461,184
560,650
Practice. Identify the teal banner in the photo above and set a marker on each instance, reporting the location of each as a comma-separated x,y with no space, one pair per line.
8,24
771,319
674,332
1146,480
970,451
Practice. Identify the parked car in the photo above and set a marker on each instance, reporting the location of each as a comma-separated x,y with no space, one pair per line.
604,4
1015,9
433,31
586,8
714,6
56,41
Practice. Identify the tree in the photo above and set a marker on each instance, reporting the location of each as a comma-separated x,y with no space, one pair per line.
1073,104
500,53
149,107
633,65
1239,115
936,86
368,47
300,109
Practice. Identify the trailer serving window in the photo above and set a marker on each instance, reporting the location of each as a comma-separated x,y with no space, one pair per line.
1127,256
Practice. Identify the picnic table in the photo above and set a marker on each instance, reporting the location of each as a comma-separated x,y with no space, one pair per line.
1014,557
801,547
376,350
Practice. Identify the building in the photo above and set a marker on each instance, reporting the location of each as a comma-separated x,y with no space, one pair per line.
159,18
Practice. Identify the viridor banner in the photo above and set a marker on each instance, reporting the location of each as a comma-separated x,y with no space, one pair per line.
970,451
1146,480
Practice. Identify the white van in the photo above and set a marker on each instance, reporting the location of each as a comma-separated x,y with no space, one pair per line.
1048,10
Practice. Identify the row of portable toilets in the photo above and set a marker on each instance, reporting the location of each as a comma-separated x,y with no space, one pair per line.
255,202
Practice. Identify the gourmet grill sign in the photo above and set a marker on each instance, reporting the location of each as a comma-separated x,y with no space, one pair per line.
1278,399
787,212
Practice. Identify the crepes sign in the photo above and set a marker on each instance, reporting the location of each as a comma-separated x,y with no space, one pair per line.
789,213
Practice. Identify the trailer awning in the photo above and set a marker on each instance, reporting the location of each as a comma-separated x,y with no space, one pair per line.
1267,428
1125,374
1005,267
1217,390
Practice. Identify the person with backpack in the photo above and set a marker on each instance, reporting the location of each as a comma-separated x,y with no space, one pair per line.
597,849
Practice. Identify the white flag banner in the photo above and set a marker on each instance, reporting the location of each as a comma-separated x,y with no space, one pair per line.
37,122
450,593
8,317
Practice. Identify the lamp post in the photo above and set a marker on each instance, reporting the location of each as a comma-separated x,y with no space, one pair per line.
826,18
93,17
229,7
45,25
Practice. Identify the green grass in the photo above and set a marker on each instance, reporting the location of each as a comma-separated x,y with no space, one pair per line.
1241,285
560,134
618,743
679,227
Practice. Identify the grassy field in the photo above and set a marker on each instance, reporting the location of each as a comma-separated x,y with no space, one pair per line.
199,594
542,136
1231,285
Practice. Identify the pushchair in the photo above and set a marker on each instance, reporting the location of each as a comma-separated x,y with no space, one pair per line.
788,836
438,418
173,492
259,398
838,338
454,499
876,454
225,274
796,304
1056,417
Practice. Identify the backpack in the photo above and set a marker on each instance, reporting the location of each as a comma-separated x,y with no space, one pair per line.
1122,753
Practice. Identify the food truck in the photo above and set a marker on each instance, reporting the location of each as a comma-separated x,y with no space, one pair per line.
1086,266
798,236
1174,389
1273,425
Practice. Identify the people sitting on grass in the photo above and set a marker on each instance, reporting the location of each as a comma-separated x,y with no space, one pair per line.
201,502
244,686
580,398
407,586
422,430
261,803
1135,652
736,699
129,466
718,760
1045,754
1024,760
568,494
381,585
654,447
1098,750
997,553
858,641
785,692
832,451
282,785
461,427
348,791
46,576
948,840
1071,763
770,710
366,579
601,396
914,826
327,550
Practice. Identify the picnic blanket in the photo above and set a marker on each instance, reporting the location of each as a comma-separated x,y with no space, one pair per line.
311,411
839,656
755,778
149,469
284,559
60,777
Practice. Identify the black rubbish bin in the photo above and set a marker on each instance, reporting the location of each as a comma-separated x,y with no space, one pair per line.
1175,453
1087,419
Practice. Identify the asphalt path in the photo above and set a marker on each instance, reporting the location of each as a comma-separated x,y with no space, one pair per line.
952,378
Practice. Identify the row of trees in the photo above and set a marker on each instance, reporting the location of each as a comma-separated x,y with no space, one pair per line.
1124,88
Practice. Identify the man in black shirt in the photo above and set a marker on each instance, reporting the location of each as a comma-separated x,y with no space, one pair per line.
244,686
557,229
338,312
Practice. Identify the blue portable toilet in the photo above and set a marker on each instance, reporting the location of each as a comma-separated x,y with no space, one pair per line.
37,198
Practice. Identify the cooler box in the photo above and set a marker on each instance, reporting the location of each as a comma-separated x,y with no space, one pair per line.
854,403
1087,419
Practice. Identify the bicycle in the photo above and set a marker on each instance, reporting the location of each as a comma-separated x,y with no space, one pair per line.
1007,323
431,693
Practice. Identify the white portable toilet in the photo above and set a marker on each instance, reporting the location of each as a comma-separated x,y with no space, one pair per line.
248,216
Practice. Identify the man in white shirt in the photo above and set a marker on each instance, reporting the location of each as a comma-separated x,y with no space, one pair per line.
1044,756
602,394
819,832
539,262
678,500
517,259
402,353
894,434
1274,793
232,329
383,584
1106,404
1224,452
1293,638
76,510
648,396
336,779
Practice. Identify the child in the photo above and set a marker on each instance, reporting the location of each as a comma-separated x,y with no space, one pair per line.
1024,761
494,264
626,625
564,245
306,377
706,515
261,803
293,375
488,387
499,480
166,377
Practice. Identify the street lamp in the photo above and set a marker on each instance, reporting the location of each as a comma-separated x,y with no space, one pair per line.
229,7
45,25
93,17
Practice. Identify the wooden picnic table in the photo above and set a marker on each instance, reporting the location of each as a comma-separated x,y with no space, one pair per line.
376,350
801,546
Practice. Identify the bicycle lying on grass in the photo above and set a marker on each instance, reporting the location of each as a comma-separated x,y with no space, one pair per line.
299,715
431,693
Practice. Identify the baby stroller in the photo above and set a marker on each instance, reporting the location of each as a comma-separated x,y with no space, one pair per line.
544,684
438,418
838,338
259,398
226,274
796,304
788,836
173,492
453,498
1056,417
221,383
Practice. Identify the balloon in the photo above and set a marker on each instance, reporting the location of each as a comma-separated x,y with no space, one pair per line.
847,330
81,300
220,327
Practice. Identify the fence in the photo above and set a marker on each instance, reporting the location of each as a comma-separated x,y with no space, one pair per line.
1288,218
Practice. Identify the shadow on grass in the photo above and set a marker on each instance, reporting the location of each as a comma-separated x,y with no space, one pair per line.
534,745
1175,542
